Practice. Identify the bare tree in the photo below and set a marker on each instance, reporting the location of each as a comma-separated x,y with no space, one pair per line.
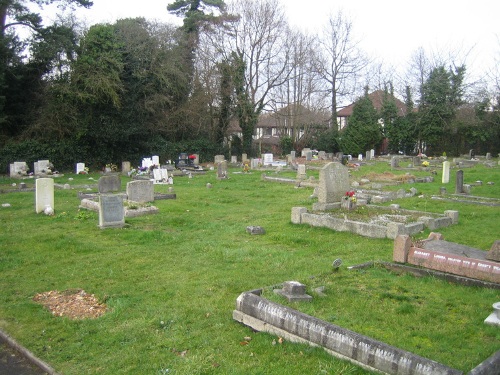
339,59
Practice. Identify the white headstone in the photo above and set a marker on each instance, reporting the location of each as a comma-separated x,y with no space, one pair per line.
41,167
234,159
44,196
18,169
360,157
372,153
155,160
164,175
301,171
157,176
80,167
268,159
446,172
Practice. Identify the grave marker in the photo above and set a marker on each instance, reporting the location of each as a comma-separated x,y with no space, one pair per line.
44,194
109,183
80,167
301,172
41,167
222,170
111,212
126,167
395,162
140,191
446,172
333,183
268,159
18,169
459,182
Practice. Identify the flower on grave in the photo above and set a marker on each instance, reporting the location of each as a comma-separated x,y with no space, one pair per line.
112,167
350,196
425,164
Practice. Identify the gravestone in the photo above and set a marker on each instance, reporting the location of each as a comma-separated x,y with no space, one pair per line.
41,167
301,172
111,212
322,155
395,162
146,162
141,191
368,155
126,167
488,156
222,170
360,157
446,172
494,253
109,183
234,159
416,161
309,155
254,163
459,182
196,160
155,159
268,159
18,169
80,168
333,183
292,155
372,153
244,157
305,151
44,194
218,158
471,154
293,291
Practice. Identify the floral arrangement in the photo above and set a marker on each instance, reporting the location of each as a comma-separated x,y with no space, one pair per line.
112,167
85,171
425,163
350,196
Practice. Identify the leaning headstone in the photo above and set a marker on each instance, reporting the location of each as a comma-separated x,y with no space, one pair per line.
459,182
125,167
44,194
140,191
446,172
80,168
111,212
333,183
109,183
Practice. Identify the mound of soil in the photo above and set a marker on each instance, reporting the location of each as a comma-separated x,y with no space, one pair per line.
74,304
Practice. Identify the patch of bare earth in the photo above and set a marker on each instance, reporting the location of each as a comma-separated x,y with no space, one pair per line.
74,304
388,176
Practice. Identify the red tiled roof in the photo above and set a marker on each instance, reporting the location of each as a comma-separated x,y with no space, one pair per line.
377,98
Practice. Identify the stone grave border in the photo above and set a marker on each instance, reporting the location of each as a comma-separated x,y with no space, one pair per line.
263,315
432,221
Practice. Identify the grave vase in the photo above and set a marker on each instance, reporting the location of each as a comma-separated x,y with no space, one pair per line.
348,204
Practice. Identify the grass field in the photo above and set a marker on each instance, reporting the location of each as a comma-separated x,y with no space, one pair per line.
170,280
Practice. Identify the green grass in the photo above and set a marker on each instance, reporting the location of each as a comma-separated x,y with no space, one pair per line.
171,280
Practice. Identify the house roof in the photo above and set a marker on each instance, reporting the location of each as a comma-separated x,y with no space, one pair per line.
377,98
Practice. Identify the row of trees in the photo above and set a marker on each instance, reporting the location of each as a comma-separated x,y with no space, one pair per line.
124,90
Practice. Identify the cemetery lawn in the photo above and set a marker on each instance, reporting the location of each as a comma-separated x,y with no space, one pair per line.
170,281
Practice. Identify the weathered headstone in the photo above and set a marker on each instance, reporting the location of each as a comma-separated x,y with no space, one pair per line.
244,157
305,150
80,168
44,196
222,170
140,191
218,158
41,167
292,155
488,156
18,169
126,167
471,154
368,155
293,291
417,161
309,155
395,162
109,183
111,212
322,155
196,160
459,182
333,183
446,172
254,163
234,159
301,172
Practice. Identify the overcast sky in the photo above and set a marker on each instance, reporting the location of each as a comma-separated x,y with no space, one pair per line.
389,30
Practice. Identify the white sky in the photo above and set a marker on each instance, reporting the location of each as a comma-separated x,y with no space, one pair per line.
390,30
